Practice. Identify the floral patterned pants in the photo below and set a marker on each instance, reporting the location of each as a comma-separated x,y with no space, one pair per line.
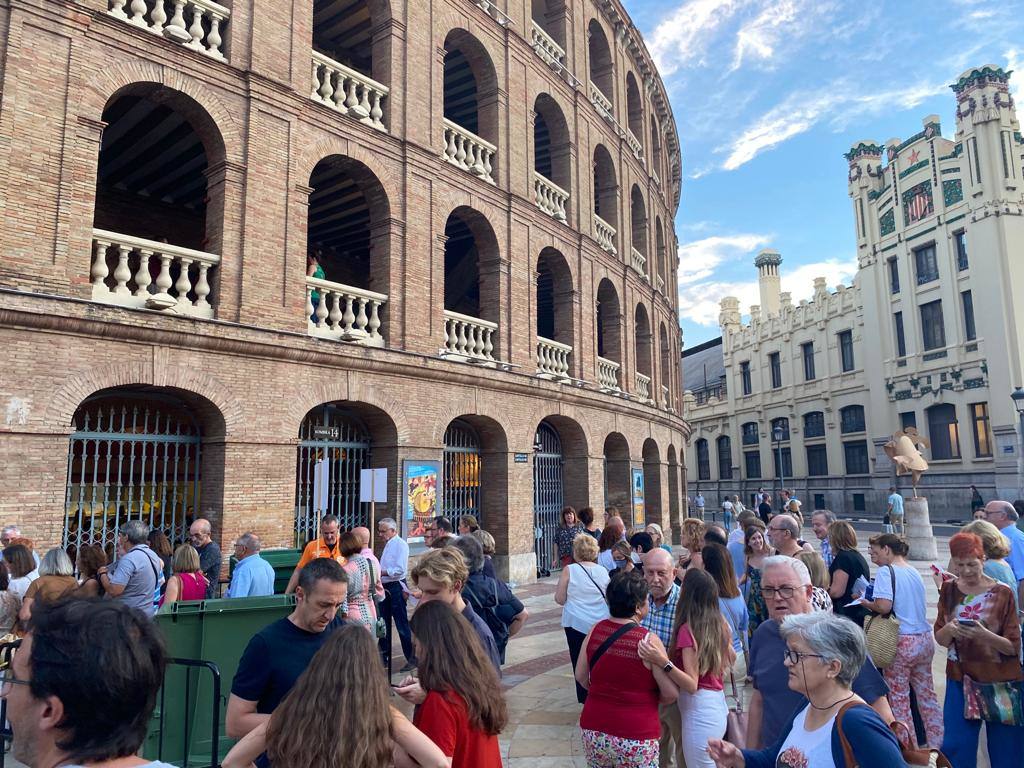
604,751
913,667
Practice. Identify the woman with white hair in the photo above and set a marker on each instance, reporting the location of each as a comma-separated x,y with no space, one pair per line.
823,654
658,535
56,579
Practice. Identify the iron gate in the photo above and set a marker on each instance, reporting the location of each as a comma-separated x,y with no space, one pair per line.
131,456
330,433
461,475
547,493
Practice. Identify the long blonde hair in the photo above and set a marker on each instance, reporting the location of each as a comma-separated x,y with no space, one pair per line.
698,608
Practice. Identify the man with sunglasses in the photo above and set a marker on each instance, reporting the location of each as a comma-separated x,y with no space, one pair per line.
786,586
82,686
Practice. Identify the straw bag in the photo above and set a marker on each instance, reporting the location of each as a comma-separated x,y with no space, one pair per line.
883,632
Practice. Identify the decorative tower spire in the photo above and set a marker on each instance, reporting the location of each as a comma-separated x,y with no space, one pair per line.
767,263
987,127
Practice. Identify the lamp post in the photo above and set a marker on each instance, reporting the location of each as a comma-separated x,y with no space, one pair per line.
777,435
1018,403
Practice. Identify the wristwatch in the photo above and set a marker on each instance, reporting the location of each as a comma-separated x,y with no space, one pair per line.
668,667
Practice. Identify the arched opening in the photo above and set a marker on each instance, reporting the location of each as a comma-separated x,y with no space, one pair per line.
158,221
656,154
351,65
471,275
638,230
552,172
642,335
601,66
470,105
336,441
652,483
617,474
659,235
555,293
560,478
609,336
606,204
666,368
634,116
475,475
141,452
348,253
673,496
550,17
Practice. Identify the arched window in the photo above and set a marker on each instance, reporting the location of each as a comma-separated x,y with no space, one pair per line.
470,105
750,433
642,336
635,116
601,67
552,172
554,315
703,460
470,287
782,425
943,431
609,336
606,203
814,424
724,457
851,419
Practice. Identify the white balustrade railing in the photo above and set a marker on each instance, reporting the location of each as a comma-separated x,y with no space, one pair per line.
196,24
608,374
638,261
660,282
468,151
643,386
348,92
336,311
604,234
469,337
553,357
492,10
602,102
664,397
123,269
550,197
635,145
550,52
656,177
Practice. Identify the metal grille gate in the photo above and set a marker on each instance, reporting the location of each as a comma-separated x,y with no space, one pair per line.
330,433
547,492
462,466
130,457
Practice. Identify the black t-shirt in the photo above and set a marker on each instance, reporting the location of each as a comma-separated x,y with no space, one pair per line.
853,563
764,510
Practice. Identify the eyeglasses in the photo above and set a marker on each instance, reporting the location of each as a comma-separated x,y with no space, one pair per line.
794,657
784,592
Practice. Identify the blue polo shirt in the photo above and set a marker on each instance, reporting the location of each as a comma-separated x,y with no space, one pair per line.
253,577
1016,556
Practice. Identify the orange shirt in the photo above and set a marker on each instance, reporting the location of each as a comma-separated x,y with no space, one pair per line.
318,548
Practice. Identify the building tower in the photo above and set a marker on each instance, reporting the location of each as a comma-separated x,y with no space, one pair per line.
767,263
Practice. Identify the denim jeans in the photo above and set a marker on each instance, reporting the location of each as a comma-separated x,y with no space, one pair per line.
960,742
393,608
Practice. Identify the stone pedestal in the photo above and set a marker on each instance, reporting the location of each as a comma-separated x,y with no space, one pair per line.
919,530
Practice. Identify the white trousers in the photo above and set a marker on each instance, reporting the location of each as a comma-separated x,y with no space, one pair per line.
703,717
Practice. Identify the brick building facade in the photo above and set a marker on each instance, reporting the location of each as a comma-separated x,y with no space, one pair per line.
488,195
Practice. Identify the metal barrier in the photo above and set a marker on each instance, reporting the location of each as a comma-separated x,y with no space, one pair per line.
189,665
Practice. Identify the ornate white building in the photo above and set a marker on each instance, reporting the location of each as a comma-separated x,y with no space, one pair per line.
928,335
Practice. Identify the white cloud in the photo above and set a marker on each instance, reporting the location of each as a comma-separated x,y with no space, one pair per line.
698,259
782,21
1015,62
685,35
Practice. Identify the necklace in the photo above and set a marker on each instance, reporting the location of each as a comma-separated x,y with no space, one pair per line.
829,706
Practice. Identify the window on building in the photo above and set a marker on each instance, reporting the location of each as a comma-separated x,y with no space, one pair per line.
745,377
782,424
814,424
980,426
856,454
819,501
775,365
970,334
851,419
808,354
817,461
703,460
749,430
724,458
859,504
901,339
943,432
846,350
894,276
752,460
933,332
926,264
908,419
960,244
787,462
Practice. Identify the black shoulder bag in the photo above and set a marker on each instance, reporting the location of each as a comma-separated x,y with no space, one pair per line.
609,641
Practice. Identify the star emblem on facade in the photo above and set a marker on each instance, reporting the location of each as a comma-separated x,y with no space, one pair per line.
913,157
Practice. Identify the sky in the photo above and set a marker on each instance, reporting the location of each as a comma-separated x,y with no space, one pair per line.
768,94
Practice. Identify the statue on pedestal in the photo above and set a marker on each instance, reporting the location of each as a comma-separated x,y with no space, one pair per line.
905,451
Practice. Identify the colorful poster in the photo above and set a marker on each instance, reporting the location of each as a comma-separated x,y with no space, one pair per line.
420,483
638,497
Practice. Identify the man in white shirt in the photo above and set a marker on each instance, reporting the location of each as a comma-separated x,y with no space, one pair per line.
394,567
895,510
699,503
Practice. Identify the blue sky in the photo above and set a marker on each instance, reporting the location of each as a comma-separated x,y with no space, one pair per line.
768,94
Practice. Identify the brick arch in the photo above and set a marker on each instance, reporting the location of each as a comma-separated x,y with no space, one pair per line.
487,413
311,155
82,384
309,396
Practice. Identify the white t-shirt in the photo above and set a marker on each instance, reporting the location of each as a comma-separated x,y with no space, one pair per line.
727,506
807,749
585,604
910,605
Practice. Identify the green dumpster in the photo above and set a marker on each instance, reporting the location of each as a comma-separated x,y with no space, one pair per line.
283,561
215,632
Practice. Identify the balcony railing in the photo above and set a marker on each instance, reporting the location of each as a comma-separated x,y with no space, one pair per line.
634,145
550,197
492,10
643,386
550,52
181,284
553,358
468,151
638,261
665,399
348,92
344,313
608,374
660,282
202,31
602,102
604,234
468,338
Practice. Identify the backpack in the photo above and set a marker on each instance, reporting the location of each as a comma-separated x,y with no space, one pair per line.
486,607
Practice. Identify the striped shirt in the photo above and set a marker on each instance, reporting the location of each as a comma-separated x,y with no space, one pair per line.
659,618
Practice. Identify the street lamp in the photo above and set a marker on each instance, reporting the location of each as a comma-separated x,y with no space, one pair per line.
777,435
1018,402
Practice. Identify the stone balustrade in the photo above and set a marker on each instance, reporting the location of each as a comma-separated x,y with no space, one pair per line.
608,374
638,261
550,197
465,150
665,401
348,92
553,358
468,338
602,102
604,234
492,10
123,270
549,51
661,283
643,386
634,144
196,24
343,313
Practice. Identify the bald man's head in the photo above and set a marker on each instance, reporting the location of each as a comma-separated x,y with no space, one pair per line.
659,572
363,535
1000,513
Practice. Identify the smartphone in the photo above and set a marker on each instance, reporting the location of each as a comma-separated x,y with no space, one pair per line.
967,622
